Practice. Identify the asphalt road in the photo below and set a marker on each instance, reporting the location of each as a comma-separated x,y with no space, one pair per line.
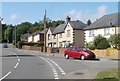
22,64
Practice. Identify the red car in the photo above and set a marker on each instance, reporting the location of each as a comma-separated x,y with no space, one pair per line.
79,52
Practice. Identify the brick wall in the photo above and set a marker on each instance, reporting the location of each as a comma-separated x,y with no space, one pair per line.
32,48
61,50
112,54
49,50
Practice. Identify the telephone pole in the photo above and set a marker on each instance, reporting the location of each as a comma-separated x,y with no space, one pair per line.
45,32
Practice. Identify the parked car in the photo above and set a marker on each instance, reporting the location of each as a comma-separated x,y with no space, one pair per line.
5,45
79,52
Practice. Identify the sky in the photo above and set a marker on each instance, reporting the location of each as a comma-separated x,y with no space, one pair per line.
17,12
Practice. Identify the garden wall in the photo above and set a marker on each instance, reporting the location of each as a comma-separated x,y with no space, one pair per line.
111,54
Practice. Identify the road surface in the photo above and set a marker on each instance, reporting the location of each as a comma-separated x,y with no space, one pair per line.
22,64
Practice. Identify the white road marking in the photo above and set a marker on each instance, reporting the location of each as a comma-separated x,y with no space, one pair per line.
53,68
18,59
61,70
55,73
16,65
56,78
5,76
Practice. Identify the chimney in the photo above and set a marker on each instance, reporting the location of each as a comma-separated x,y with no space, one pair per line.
68,19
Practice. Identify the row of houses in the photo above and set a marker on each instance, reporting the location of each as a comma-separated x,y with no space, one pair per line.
77,32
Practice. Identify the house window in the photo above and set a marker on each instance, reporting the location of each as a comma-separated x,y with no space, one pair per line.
106,31
60,35
60,44
54,36
48,36
91,33
68,33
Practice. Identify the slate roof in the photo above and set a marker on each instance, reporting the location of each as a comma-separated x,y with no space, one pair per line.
77,24
59,29
26,35
74,24
39,32
52,29
106,21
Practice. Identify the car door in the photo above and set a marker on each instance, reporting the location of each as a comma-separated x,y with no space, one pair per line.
73,52
69,51
77,52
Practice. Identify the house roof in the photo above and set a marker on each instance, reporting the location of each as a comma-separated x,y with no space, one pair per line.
52,29
105,21
39,32
26,35
75,25
59,29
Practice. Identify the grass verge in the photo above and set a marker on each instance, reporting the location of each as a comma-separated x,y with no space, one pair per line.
109,75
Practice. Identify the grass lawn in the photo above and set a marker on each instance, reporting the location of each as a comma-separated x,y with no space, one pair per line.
109,75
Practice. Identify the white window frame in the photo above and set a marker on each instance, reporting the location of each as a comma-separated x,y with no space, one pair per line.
68,33
60,35
91,33
106,31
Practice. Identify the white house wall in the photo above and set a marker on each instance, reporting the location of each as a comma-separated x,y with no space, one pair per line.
64,37
30,39
36,38
51,40
97,32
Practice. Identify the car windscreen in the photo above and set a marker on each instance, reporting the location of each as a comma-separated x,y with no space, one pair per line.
85,49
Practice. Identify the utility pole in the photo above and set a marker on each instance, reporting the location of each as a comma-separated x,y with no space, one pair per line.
45,32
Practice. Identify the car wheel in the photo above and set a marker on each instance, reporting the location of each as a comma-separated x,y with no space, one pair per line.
82,57
66,56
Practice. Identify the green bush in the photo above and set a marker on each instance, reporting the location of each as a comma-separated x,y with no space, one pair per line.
101,42
115,41
19,44
90,45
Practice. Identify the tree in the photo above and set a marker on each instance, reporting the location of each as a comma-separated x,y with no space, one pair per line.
8,34
22,29
101,42
88,22
114,40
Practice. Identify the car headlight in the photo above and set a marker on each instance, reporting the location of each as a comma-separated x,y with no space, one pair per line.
86,54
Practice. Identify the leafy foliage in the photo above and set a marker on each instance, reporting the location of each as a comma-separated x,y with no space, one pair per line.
90,45
115,40
34,44
101,42
19,44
